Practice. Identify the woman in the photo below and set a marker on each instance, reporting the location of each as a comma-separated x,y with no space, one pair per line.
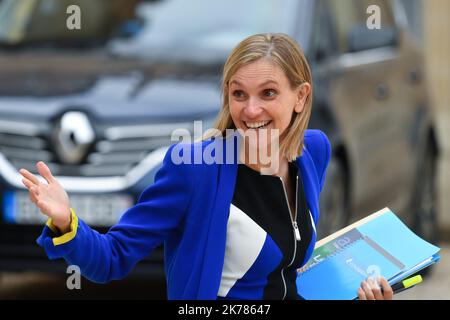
229,231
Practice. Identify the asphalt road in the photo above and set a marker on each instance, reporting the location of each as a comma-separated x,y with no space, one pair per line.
436,286
33,285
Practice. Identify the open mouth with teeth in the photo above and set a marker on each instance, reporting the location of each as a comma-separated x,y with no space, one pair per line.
258,125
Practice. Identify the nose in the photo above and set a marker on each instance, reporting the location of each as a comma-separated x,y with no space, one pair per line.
253,109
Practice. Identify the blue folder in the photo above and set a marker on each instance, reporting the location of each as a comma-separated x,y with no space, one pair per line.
378,245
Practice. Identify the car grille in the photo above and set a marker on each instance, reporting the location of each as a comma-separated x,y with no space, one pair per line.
115,154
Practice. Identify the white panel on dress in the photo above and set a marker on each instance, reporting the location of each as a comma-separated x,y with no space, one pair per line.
245,240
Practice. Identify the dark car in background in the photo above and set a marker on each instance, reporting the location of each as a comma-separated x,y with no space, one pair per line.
100,104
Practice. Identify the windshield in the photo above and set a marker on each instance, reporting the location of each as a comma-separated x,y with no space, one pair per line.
49,23
194,27
188,29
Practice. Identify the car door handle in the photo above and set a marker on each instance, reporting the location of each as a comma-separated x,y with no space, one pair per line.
382,91
415,77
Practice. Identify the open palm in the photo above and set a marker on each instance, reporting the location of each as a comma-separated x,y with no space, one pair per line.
49,197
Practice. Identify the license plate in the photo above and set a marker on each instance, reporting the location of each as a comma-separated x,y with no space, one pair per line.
102,210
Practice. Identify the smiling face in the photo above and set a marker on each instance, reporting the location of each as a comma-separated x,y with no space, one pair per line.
266,78
260,97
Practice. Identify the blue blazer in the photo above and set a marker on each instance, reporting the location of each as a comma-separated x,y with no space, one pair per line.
187,209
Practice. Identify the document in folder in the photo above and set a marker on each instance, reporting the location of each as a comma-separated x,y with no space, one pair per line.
377,245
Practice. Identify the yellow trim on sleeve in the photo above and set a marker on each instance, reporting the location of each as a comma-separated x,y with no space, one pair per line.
68,236
52,226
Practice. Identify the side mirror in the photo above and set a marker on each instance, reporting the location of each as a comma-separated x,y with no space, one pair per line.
361,38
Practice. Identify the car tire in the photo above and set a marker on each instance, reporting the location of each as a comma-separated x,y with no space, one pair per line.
334,209
424,202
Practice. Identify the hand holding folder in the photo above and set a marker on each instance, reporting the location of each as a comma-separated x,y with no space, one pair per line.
398,287
375,289
379,245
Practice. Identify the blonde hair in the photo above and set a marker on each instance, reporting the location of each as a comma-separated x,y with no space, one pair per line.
280,49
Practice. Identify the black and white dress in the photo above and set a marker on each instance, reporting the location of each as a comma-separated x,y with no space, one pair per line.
265,244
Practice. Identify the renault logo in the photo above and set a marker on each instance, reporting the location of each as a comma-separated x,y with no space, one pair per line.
73,136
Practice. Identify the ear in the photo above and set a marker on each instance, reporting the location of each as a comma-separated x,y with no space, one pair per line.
304,90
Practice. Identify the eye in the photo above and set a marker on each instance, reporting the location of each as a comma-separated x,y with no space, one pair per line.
270,93
238,94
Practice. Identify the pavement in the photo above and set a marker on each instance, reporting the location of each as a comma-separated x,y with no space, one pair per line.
44,286
436,285
29,285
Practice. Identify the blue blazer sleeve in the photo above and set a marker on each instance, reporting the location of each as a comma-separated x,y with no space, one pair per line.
158,213
320,151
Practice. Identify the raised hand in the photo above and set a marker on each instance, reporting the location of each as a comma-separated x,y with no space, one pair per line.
49,197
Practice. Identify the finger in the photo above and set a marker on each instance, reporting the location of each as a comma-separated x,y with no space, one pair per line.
361,294
45,172
27,183
387,289
27,174
32,197
368,290
376,290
